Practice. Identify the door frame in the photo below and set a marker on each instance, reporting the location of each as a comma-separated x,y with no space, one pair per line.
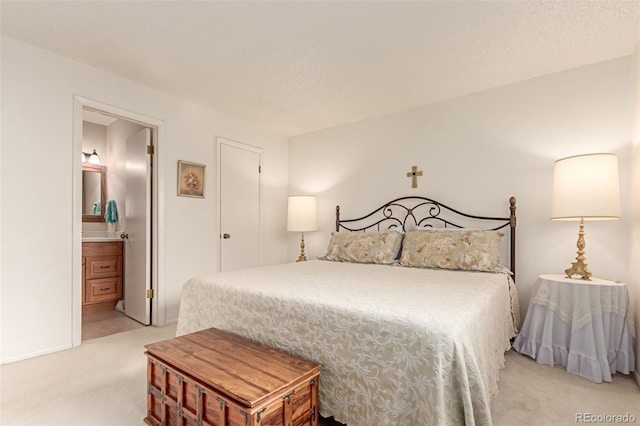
158,303
219,142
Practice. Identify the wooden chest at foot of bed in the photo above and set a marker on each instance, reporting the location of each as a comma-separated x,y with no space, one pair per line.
215,378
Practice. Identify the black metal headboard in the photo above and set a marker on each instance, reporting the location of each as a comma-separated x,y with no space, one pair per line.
408,213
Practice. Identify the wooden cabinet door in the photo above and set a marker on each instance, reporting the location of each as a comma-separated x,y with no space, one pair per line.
84,280
103,267
103,289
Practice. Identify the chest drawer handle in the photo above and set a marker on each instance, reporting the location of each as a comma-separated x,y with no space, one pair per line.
105,289
105,267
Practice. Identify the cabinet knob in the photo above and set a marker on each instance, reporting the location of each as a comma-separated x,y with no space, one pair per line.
226,236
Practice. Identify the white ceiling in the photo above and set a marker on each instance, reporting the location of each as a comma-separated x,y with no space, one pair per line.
299,66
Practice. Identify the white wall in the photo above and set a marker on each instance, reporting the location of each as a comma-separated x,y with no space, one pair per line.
37,163
94,136
634,263
476,151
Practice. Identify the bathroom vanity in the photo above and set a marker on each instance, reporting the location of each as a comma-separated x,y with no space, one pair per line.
102,275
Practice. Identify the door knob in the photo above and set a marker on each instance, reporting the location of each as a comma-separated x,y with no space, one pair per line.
124,236
226,236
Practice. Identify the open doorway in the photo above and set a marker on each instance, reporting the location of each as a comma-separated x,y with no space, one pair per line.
117,250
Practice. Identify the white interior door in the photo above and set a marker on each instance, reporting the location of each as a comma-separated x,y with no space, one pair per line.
137,247
239,203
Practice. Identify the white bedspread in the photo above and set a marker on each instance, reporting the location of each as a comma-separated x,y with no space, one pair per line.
398,346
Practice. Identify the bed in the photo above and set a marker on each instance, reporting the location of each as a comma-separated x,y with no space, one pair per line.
399,342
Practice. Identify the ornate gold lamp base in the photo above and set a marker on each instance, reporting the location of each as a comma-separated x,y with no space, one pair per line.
579,267
302,256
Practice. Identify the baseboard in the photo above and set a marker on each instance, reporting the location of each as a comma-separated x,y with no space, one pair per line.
34,354
169,321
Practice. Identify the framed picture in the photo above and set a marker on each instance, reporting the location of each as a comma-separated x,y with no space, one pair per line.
190,179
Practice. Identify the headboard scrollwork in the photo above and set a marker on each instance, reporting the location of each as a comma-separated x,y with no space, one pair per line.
413,213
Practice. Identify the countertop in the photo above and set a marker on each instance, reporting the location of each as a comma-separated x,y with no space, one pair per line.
100,239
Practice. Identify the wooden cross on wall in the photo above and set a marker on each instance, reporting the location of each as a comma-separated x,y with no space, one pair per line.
413,174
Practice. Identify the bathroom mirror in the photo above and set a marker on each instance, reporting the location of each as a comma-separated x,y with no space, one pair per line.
93,192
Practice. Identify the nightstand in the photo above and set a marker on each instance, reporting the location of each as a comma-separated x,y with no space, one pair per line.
585,326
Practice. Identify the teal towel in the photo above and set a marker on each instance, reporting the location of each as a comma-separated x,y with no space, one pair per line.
96,208
111,212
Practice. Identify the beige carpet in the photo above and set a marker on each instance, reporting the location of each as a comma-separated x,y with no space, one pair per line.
103,382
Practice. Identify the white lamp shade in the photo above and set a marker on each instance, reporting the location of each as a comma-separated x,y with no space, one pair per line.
94,158
301,214
586,187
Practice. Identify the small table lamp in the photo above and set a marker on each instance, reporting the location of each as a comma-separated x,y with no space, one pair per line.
302,217
585,187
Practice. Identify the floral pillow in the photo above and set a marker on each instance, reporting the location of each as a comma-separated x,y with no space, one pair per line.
452,249
367,247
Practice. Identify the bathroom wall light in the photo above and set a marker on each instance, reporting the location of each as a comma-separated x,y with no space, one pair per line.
94,158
